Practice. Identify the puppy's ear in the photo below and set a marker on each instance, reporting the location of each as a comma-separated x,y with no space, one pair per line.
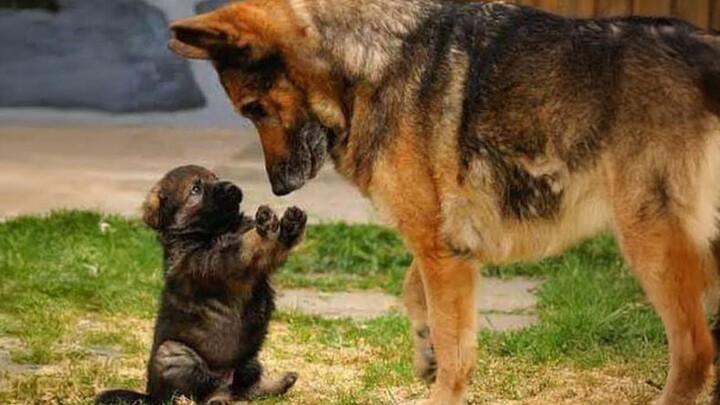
152,208
229,29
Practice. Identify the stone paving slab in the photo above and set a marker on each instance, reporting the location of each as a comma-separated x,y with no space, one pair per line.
503,304
506,295
7,345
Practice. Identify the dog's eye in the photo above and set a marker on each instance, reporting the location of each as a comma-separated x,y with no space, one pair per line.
196,190
253,110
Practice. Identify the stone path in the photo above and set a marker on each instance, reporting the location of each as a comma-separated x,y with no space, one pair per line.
111,168
503,304
7,345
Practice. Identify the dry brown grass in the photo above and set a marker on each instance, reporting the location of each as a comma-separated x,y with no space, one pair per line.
330,373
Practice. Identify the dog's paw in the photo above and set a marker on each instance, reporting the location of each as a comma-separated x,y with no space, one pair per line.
287,381
220,399
426,365
425,361
266,222
292,226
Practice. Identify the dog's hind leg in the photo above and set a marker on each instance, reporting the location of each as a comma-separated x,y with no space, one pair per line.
177,369
672,270
268,387
716,325
450,293
414,299
250,382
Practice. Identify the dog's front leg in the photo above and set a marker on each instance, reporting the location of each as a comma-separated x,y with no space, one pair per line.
449,284
416,306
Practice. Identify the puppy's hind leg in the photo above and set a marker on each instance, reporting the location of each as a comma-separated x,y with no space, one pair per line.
250,382
177,369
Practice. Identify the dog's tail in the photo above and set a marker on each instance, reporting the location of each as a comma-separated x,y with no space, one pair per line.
123,397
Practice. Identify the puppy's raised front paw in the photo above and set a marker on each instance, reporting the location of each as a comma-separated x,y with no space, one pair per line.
292,226
266,222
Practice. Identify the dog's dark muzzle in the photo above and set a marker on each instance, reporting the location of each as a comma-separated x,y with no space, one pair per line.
286,177
308,147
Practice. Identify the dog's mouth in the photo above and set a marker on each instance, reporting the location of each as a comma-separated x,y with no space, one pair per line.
308,149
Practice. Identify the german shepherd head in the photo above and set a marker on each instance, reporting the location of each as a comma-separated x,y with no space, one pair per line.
192,201
297,127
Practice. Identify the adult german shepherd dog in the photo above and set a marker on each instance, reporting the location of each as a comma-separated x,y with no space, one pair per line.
493,133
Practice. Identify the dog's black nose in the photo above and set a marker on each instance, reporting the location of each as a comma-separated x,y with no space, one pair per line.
229,192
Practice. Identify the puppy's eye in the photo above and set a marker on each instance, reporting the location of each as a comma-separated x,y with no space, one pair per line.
253,110
196,190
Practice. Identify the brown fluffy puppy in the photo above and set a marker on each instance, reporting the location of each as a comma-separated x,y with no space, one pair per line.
217,299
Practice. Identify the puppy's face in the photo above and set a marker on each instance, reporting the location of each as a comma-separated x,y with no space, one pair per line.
192,199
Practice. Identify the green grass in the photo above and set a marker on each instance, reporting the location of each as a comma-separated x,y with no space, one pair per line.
60,272
337,257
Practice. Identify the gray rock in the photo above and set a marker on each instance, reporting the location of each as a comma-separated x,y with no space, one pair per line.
110,55
210,5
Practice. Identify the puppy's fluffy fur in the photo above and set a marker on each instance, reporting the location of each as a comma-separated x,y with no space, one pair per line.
217,299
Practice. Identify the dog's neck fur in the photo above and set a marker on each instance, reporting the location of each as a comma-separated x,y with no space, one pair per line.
354,37
361,48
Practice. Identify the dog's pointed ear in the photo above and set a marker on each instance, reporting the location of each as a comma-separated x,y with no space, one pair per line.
196,37
151,208
234,28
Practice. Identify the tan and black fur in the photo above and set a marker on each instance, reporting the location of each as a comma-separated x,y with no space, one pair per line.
489,132
217,300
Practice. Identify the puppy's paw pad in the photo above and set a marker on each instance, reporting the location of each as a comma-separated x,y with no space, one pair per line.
266,222
292,225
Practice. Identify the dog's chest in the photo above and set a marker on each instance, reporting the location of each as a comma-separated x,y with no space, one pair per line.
474,221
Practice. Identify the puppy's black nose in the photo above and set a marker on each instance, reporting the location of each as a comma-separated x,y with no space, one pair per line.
228,192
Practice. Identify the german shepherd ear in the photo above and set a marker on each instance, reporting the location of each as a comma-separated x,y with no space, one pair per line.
208,35
196,38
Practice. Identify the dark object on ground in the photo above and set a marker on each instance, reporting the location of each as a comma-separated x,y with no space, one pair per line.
110,56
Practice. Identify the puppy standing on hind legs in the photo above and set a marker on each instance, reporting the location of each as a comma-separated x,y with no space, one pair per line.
217,300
